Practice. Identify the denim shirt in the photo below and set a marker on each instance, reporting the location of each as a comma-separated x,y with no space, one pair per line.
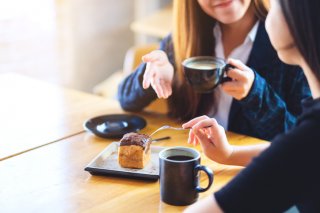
271,107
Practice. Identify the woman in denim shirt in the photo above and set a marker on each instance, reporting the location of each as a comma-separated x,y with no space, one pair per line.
259,101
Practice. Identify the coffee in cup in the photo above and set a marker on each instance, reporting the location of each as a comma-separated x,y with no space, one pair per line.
179,175
204,73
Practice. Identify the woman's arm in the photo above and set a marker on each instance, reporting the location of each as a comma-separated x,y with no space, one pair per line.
214,143
131,94
268,104
243,155
271,113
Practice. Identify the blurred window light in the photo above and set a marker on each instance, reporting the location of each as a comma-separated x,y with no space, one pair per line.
38,12
28,37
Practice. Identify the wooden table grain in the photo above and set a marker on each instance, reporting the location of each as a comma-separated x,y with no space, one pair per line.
52,178
35,113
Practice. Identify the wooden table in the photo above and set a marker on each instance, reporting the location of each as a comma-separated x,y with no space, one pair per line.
34,113
45,126
52,178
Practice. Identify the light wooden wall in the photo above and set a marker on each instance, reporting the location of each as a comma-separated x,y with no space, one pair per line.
94,37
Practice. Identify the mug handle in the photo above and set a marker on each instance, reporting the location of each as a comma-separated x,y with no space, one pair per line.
209,174
225,69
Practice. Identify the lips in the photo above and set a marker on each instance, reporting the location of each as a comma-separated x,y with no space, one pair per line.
223,4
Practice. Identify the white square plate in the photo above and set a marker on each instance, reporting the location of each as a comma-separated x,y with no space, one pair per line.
106,163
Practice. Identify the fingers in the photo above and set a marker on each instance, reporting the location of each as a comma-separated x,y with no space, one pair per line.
167,89
192,138
194,121
156,85
151,57
162,88
147,76
154,56
236,89
237,74
242,80
203,139
238,64
214,128
212,139
200,123
232,86
158,73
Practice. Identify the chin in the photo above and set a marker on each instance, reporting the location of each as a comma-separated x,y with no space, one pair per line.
229,19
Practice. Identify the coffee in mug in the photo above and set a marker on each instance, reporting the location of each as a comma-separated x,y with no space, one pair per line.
202,65
179,175
204,73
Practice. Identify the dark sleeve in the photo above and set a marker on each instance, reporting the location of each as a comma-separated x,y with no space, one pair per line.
131,95
264,106
284,175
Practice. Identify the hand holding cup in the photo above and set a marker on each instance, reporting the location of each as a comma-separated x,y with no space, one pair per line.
242,78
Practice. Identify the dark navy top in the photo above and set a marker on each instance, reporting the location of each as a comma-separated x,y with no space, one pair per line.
286,174
271,106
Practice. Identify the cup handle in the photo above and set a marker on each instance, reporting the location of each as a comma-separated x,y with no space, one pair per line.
225,69
209,174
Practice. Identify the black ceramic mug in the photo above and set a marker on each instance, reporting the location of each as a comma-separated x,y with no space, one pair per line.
179,175
204,73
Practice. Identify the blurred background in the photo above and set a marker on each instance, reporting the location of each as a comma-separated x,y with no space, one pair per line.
77,43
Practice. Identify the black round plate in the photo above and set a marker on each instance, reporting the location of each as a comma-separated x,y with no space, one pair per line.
115,125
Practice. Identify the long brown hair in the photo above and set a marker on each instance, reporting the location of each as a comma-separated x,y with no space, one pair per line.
191,37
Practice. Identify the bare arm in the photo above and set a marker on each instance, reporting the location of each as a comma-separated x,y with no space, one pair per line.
214,143
242,155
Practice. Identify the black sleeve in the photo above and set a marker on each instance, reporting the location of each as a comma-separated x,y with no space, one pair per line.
284,175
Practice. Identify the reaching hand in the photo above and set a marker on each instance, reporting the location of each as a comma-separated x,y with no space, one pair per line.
211,136
242,80
158,73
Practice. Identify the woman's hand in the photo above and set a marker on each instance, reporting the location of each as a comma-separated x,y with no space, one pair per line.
242,80
211,136
158,73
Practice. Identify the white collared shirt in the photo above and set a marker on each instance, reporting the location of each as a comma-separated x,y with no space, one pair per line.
241,53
